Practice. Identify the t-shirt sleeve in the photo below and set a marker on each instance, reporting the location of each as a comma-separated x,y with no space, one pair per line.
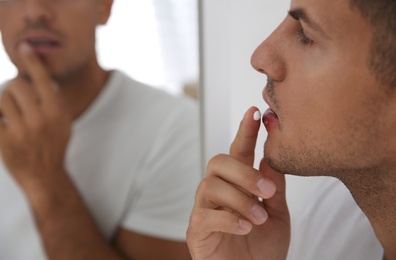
165,199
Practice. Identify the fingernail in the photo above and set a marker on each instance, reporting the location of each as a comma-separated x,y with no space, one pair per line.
24,48
245,225
257,115
266,188
259,213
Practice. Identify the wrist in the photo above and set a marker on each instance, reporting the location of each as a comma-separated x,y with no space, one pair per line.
47,193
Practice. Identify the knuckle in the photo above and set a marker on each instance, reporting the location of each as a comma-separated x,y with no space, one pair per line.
196,218
216,160
245,154
205,186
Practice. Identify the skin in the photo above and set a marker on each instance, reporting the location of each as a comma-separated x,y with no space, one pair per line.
37,111
223,223
334,119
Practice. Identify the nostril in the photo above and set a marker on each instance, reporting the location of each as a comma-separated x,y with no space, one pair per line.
260,70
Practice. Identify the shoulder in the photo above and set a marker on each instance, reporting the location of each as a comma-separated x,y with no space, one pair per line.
149,101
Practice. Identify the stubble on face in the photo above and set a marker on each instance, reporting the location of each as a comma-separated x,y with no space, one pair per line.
356,148
351,145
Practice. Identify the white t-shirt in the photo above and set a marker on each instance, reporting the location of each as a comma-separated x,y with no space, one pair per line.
134,157
331,226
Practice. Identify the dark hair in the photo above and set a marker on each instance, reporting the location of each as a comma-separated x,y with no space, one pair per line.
381,14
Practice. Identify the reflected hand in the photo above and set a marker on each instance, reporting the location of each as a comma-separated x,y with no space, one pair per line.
35,129
228,221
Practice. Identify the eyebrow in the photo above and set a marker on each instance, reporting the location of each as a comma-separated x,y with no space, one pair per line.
300,14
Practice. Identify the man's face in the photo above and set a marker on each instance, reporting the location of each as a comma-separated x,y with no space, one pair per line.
62,32
332,116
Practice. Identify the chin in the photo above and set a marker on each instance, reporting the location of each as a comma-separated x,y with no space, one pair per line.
287,162
271,158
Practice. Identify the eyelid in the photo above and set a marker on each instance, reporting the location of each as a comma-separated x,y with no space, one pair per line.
303,38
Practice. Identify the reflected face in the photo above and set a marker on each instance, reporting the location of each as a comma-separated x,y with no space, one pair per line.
62,32
329,114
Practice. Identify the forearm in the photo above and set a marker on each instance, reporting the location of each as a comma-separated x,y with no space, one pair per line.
66,227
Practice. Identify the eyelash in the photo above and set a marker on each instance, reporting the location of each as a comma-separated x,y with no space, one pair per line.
303,38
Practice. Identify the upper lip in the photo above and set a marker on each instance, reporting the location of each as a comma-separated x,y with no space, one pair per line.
267,99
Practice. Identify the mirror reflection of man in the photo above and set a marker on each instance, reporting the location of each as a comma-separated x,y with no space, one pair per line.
94,164
331,91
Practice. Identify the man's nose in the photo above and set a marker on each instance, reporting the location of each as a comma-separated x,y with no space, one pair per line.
269,59
38,10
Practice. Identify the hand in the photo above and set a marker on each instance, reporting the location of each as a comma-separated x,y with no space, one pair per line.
228,221
35,129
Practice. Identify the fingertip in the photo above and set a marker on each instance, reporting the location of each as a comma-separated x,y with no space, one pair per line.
25,52
243,146
251,111
252,116
266,187
244,226
257,115
25,48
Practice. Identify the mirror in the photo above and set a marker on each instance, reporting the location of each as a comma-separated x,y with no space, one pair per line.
154,42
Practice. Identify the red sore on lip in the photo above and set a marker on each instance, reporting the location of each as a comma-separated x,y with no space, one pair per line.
270,119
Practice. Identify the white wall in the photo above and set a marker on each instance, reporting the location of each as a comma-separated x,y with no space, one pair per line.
231,30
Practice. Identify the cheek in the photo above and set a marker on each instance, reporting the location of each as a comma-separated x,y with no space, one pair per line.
316,102
331,108
9,40
305,108
82,40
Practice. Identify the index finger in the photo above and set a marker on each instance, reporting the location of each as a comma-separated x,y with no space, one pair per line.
38,74
244,144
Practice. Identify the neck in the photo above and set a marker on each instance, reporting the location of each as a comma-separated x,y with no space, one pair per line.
82,88
375,194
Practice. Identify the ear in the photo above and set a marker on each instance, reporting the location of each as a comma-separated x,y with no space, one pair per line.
105,11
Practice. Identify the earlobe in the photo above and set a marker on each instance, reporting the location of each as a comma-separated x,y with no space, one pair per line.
105,12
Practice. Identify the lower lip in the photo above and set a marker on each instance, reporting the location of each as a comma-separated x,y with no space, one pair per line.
45,49
270,119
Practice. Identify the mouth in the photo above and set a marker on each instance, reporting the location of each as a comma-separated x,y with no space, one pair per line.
42,44
37,43
270,118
